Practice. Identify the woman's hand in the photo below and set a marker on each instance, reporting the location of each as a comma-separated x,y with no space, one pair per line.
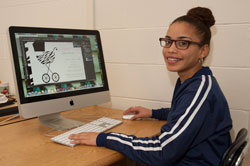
85,138
140,112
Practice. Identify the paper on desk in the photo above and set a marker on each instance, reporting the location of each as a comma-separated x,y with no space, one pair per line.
3,99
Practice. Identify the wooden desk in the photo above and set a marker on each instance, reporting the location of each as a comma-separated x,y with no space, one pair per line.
26,144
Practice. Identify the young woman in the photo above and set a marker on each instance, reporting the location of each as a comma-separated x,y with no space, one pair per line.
198,122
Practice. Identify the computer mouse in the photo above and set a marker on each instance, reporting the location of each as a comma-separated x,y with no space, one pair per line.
128,116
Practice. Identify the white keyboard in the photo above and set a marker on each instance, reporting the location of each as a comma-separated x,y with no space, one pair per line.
99,125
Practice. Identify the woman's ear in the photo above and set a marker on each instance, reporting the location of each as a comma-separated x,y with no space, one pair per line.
204,51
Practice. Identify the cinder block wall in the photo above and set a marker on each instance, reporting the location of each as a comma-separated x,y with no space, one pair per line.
137,74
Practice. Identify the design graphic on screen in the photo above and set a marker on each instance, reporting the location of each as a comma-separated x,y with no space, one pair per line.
52,62
46,59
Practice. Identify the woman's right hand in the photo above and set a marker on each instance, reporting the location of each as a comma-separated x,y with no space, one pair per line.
140,112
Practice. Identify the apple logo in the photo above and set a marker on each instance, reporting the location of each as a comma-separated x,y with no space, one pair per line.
71,102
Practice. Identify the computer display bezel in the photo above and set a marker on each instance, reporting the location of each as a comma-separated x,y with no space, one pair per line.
40,30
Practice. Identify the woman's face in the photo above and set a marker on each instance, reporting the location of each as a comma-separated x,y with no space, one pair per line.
184,62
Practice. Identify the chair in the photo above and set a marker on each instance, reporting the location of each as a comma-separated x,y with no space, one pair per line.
234,155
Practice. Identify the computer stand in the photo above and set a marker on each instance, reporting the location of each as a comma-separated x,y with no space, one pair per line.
57,122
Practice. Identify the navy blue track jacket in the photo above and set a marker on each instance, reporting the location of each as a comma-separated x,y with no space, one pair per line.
196,132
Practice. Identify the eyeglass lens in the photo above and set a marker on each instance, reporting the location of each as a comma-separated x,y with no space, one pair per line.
180,44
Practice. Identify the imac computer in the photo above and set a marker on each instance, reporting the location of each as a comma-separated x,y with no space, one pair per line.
57,70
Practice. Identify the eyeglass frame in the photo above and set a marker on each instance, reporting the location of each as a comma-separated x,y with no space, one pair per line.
174,41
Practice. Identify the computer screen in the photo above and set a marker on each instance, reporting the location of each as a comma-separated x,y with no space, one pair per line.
57,70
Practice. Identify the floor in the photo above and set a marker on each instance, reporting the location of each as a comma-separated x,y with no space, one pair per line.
246,161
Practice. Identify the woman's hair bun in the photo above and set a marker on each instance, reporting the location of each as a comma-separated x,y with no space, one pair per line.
203,14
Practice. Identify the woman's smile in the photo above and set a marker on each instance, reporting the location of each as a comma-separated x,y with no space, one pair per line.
173,60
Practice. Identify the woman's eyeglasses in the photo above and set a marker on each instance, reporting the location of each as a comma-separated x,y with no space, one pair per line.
180,44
